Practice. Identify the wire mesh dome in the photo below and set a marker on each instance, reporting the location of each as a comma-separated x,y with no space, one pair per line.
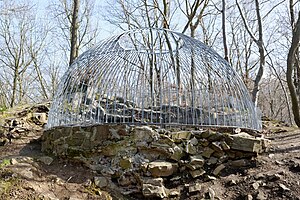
152,76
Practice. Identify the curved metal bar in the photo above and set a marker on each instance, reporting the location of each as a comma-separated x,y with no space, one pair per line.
152,76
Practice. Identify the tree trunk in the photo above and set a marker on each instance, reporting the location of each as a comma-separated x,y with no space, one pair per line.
40,78
14,89
289,72
224,30
260,44
74,31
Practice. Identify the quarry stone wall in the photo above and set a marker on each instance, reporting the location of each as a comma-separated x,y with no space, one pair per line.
151,161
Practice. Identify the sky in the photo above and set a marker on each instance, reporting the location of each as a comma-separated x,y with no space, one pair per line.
106,29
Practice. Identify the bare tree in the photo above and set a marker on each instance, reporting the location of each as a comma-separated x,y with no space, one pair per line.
224,30
76,30
22,40
260,44
14,34
194,14
290,67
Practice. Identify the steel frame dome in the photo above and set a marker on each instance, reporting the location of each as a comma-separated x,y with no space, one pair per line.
152,76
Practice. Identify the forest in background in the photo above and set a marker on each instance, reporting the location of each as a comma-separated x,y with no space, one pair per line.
259,39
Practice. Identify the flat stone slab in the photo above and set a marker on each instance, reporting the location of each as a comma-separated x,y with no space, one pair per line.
162,168
246,142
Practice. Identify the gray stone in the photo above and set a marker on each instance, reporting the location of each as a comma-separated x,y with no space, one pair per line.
261,196
27,173
174,193
193,141
210,178
198,172
154,188
218,169
145,133
190,149
13,161
100,181
125,181
211,193
41,117
47,160
206,133
259,176
218,154
196,162
203,142
216,146
215,136
246,142
224,145
162,168
283,187
239,163
255,185
207,152
195,188
177,153
212,161
249,197
181,135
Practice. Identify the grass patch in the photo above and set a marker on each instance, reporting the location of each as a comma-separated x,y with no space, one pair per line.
95,191
4,163
8,183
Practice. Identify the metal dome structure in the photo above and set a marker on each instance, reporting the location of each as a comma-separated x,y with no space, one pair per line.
152,76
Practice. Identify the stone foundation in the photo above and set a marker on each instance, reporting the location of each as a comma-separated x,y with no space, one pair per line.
151,161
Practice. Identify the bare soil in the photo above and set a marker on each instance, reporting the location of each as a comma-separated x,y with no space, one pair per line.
272,175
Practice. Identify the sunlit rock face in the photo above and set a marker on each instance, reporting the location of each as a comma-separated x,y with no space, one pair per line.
152,77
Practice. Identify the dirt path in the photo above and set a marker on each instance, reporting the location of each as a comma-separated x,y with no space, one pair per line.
25,173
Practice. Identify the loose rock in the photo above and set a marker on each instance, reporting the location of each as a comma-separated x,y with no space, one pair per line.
195,188
284,187
100,181
218,169
239,163
255,185
47,160
197,173
154,188
246,142
249,197
207,152
162,168
261,196
196,162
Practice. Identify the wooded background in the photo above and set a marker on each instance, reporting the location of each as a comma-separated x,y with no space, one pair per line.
259,39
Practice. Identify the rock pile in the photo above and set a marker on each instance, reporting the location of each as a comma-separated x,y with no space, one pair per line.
151,161
18,123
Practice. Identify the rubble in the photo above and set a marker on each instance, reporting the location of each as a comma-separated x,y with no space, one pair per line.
100,181
139,159
154,188
195,188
